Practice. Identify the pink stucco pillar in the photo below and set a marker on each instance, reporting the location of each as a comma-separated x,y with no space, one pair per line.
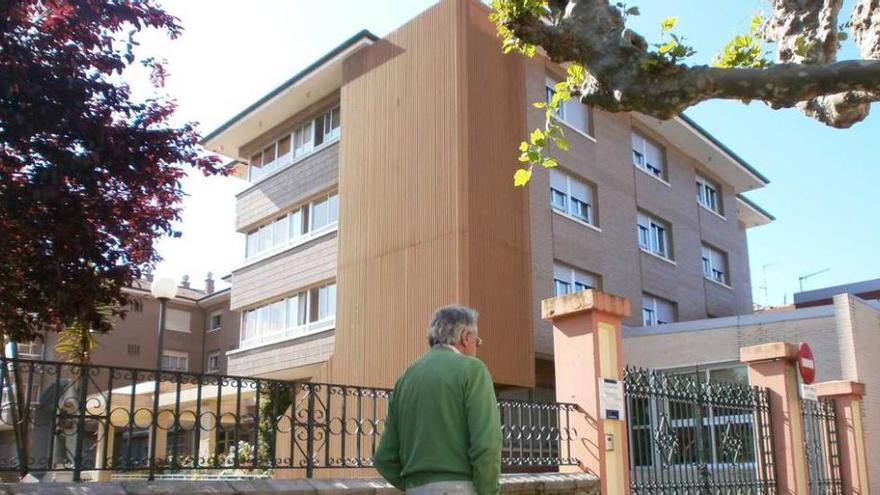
587,346
772,366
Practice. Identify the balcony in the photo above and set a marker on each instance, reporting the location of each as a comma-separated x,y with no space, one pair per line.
285,334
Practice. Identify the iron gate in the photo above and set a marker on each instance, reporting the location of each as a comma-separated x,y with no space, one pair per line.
687,436
821,447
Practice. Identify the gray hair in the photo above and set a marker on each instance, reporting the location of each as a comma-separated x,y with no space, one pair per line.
448,323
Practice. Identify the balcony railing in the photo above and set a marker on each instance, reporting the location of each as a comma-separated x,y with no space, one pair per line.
178,424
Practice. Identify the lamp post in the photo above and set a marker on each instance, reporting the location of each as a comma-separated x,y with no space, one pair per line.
163,289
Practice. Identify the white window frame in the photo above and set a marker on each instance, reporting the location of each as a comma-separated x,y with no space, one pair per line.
561,113
640,156
568,205
306,131
711,270
654,235
295,236
651,308
176,355
708,194
571,279
31,349
215,355
211,327
257,332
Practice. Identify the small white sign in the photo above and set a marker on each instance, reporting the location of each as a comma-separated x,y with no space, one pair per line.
808,392
611,399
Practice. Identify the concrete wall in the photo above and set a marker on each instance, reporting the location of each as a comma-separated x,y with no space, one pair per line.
551,483
718,340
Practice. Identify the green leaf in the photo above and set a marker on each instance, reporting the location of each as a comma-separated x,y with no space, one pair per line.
537,137
668,23
549,162
539,104
633,11
524,157
667,47
521,177
523,146
562,144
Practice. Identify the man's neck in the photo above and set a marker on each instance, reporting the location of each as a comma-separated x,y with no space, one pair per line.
452,347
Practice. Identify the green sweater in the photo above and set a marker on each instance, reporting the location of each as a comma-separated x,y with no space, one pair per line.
442,425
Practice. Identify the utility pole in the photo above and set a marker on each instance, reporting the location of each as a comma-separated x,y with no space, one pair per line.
804,277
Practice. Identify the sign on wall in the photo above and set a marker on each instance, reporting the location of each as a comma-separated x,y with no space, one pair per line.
611,399
806,363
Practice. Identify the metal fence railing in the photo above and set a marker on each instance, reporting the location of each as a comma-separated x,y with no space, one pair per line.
691,436
73,418
821,447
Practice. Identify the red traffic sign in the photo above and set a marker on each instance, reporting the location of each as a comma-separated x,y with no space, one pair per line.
806,363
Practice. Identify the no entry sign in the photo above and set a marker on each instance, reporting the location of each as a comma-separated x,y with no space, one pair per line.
806,363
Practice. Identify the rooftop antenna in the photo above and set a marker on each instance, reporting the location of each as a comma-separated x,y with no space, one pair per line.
764,286
804,277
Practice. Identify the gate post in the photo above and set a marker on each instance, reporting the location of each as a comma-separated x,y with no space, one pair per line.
587,347
772,366
847,397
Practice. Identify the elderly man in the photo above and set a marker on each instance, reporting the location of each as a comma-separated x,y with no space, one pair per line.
443,433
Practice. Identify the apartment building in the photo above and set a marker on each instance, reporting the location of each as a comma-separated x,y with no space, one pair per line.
199,330
381,188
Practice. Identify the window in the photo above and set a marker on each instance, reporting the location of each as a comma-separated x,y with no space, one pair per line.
215,321
654,235
214,362
300,142
567,280
571,111
316,217
571,196
657,311
715,264
137,305
32,349
175,361
179,442
648,156
306,312
177,320
134,350
707,194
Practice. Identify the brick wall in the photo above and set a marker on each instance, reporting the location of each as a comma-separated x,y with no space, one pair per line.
283,355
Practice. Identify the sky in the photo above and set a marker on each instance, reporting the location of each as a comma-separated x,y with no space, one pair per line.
824,181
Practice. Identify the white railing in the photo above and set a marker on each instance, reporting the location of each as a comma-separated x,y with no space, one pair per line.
261,339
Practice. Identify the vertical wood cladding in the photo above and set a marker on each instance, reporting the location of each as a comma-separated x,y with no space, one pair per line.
428,215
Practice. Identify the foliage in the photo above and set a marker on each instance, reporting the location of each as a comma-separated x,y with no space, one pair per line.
89,177
744,50
504,12
672,50
534,151
76,341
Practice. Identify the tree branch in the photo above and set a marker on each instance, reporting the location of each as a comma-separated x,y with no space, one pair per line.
624,75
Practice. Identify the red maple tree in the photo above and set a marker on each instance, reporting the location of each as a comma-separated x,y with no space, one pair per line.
89,176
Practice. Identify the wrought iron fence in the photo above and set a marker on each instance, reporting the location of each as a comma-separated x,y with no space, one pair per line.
70,417
692,437
821,447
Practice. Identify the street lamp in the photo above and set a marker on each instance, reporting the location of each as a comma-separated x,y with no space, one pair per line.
163,289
